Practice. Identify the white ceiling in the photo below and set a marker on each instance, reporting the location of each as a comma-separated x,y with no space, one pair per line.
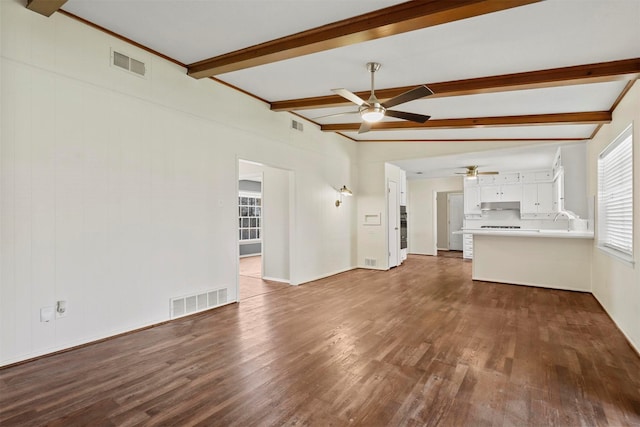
504,160
549,34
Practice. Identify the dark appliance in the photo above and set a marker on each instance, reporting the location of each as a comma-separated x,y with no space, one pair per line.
403,227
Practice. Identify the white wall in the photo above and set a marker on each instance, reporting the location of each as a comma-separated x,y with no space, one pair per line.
617,284
372,156
421,212
118,192
371,200
574,162
275,223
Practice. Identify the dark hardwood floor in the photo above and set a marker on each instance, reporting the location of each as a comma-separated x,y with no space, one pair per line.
250,279
421,344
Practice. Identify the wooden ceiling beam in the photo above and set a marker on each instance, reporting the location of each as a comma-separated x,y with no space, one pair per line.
586,118
45,7
627,69
397,19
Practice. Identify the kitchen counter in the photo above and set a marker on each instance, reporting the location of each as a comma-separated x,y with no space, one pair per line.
559,233
556,259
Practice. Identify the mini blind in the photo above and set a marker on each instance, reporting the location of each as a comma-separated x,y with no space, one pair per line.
615,195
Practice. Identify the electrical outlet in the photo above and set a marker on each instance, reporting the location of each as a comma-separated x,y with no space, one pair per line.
61,309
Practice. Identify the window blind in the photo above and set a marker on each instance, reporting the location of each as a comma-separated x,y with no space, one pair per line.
615,195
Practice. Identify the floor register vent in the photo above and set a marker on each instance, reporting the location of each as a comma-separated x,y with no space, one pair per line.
190,304
370,262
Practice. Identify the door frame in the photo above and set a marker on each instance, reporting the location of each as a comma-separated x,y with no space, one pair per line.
395,228
449,194
291,190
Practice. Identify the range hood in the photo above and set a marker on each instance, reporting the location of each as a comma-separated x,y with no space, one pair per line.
500,206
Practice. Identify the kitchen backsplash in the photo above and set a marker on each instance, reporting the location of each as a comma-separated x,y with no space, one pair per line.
508,217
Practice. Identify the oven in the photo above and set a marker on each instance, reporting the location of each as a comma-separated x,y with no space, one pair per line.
403,227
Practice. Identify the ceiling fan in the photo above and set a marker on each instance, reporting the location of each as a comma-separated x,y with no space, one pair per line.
473,172
372,110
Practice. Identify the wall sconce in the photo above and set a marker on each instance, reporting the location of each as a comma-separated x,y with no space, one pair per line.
344,191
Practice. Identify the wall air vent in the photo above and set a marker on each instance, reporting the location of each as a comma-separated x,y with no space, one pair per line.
120,60
370,262
297,125
189,304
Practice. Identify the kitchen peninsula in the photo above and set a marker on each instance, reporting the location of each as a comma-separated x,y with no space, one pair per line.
558,259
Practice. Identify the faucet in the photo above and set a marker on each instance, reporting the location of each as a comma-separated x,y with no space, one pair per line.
570,215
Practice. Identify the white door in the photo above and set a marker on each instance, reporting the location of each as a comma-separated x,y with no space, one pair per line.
456,216
394,225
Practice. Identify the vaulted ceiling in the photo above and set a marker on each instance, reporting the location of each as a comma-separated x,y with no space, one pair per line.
499,69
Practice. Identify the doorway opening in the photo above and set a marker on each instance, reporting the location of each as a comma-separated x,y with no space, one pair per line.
450,219
263,228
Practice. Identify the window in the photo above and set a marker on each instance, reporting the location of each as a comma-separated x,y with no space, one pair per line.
250,216
615,197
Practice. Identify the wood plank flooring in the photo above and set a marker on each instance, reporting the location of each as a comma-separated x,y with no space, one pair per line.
421,344
250,279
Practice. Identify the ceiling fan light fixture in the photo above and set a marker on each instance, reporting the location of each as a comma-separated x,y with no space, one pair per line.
372,114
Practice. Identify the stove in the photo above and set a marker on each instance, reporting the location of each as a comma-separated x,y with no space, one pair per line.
501,227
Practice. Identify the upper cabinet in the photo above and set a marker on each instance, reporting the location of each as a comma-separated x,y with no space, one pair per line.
537,200
501,193
537,191
537,176
472,197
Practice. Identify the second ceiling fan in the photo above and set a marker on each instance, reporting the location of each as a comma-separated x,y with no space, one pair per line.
372,110
473,172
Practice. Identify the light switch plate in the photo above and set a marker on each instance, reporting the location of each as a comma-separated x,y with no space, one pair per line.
47,314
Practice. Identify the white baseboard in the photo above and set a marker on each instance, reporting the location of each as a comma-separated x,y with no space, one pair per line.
629,340
276,279
535,285
307,280
366,267
250,255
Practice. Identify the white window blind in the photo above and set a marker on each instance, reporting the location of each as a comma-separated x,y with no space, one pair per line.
615,196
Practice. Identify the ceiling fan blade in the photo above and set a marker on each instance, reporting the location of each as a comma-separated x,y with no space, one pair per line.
336,115
413,94
364,127
488,173
350,96
413,117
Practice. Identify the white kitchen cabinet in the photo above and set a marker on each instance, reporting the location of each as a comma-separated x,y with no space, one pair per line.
501,193
537,176
486,179
467,246
472,200
508,178
537,200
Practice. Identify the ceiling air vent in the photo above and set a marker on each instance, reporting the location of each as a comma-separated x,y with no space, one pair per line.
127,63
297,125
